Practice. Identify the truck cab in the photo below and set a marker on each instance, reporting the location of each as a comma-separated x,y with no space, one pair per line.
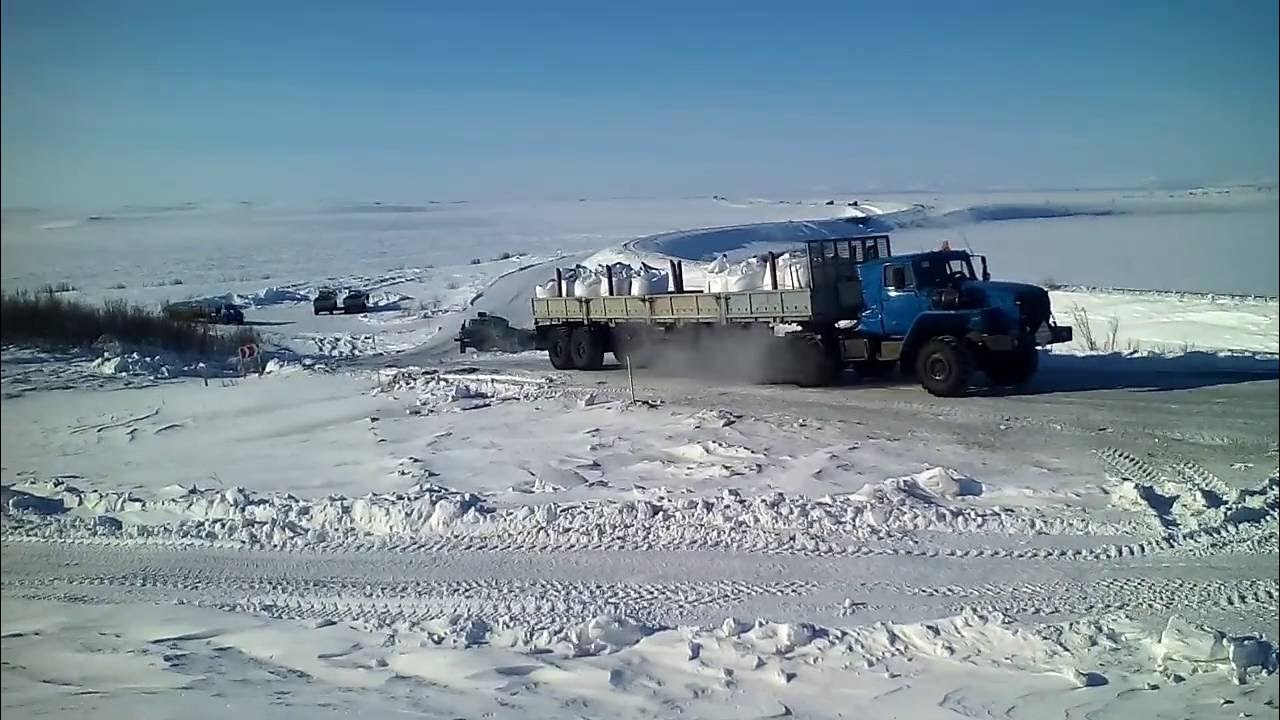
491,332
911,301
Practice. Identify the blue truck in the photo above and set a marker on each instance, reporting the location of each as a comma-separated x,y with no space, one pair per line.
936,316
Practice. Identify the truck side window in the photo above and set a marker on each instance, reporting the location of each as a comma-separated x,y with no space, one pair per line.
897,277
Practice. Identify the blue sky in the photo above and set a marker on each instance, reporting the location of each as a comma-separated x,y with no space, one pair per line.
146,102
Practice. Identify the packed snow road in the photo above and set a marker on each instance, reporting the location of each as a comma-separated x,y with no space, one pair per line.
1076,407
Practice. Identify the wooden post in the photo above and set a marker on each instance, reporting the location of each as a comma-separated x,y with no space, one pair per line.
631,381
608,276
559,282
773,271
675,276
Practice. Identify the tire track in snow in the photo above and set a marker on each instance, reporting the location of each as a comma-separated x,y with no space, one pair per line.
782,543
389,590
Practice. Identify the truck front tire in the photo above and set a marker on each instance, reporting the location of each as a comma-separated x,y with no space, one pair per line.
558,349
944,366
1013,367
586,348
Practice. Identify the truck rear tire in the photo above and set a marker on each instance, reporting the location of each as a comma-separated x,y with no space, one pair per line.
585,348
1013,367
944,366
558,349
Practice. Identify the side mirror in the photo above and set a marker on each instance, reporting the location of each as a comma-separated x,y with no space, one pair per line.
898,277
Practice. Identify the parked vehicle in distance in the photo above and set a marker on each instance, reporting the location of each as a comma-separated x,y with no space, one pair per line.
492,332
355,301
231,314
218,313
928,313
325,301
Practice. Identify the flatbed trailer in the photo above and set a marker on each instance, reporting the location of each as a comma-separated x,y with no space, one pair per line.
834,290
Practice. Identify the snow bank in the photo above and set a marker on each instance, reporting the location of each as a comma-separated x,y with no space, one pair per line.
936,501
157,366
439,391
101,657
239,515
1173,323
1076,650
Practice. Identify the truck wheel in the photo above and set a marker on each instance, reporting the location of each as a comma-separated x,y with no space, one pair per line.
944,366
812,365
586,349
1013,367
558,349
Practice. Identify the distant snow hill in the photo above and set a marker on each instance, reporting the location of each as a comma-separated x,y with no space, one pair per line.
740,240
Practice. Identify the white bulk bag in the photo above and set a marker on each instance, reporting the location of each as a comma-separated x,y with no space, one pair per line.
550,288
650,281
746,275
622,274
716,274
793,271
587,284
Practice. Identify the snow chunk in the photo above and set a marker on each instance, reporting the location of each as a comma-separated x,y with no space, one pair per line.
929,485
602,635
1183,641
1245,653
1085,679
941,482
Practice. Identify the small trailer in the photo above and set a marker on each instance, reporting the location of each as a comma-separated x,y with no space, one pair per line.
927,313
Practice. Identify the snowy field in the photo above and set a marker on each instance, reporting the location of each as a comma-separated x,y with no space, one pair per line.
379,526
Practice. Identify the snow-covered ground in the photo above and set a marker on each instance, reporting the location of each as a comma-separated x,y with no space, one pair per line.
379,526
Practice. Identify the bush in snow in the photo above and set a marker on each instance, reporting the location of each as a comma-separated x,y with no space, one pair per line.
45,317
1092,343
58,288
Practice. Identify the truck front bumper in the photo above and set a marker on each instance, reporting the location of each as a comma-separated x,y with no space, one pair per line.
1046,335
1051,334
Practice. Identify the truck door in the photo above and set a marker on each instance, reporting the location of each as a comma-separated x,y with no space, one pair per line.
900,303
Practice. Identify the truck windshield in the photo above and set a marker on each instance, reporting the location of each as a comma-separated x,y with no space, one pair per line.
939,271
